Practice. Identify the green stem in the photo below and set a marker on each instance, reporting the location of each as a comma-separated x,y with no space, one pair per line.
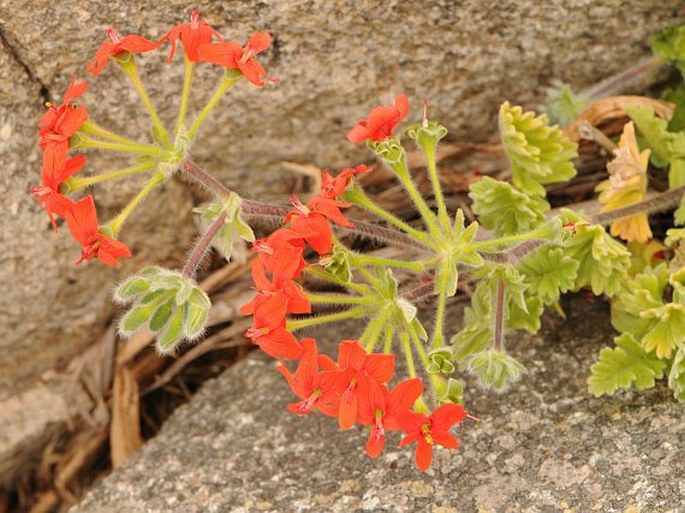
129,67
116,223
373,330
387,345
76,183
494,243
188,78
402,173
226,84
361,259
80,141
418,345
336,299
358,197
429,150
326,276
298,324
419,405
90,127
440,314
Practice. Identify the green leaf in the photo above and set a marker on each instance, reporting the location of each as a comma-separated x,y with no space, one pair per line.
676,376
676,97
504,209
642,292
669,44
525,319
496,369
626,365
562,105
548,271
603,261
666,146
539,154
668,332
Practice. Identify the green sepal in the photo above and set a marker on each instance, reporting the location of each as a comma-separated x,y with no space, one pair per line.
132,288
626,365
338,264
504,209
135,318
539,154
496,369
161,316
168,339
451,391
441,361
389,150
233,226
196,321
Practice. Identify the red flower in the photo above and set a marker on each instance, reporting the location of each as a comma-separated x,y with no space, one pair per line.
428,431
231,55
276,342
357,370
116,44
274,299
383,410
315,388
58,124
312,226
48,194
281,253
332,187
381,122
83,224
192,35
330,209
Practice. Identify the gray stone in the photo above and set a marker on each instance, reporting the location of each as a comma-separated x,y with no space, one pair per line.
336,60
544,446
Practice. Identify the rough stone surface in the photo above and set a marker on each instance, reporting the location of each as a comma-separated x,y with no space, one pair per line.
544,446
336,59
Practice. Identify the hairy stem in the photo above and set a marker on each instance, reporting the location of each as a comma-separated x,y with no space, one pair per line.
498,342
298,324
202,245
656,203
617,83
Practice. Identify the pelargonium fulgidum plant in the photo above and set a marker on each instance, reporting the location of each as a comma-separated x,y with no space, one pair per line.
516,259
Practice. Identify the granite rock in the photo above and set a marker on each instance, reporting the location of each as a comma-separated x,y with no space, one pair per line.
546,445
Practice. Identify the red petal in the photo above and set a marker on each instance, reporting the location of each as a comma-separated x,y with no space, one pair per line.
347,414
358,133
424,455
259,42
280,343
380,367
82,220
224,54
446,416
351,355
445,439
402,105
137,44
375,443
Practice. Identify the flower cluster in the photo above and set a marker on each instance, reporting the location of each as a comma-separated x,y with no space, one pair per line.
355,388
56,126
69,122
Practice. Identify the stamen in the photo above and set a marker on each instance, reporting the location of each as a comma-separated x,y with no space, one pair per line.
113,36
194,19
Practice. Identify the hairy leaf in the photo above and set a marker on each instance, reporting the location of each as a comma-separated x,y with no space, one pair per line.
626,365
539,154
504,209
548,271
496,369
676,376
562,105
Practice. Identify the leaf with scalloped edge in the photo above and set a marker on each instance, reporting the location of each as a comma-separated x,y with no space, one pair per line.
666,146
562,105
504,209
669,44
549,272
603,261
539,154
668,333
495,369
624,366
676,375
